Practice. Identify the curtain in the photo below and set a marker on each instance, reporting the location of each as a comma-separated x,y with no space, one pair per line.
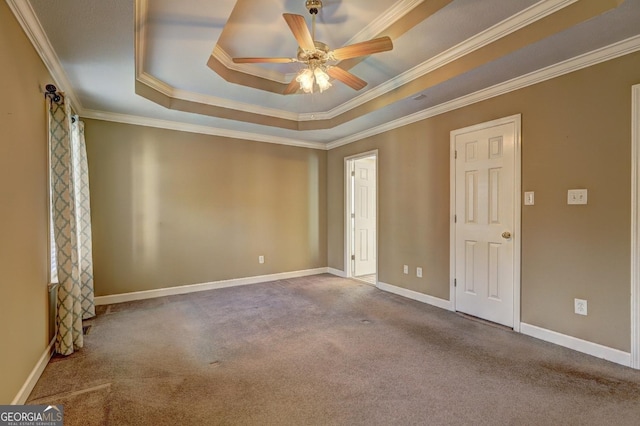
71,227
83,217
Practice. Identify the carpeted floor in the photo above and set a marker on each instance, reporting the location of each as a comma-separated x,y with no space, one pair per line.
371,278
328,351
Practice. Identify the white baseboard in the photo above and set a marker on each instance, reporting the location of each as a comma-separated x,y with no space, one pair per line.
192,288
337,272
35,374
420,297
584,346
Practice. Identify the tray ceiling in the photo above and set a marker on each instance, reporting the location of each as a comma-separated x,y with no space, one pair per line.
168,64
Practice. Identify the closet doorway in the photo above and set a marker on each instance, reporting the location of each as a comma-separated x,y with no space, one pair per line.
361,217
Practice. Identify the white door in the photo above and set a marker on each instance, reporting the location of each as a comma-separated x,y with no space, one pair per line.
364,193
485,221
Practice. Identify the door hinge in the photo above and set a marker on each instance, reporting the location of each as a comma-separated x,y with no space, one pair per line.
353,257
353,173
455,155
455,218
455,282
353,215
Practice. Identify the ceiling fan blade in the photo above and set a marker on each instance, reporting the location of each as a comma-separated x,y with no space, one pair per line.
300,31
263,60
292,87
346,77
376,45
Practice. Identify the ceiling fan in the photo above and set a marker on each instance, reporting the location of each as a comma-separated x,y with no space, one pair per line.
317,57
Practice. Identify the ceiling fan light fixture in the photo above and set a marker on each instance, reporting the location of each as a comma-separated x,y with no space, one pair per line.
322,79
305,78
316,55
312,76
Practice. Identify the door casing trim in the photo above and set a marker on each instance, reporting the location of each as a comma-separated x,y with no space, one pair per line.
347,211
635,226
516,120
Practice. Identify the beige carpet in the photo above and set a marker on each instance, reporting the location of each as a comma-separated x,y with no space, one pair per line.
371,278
328,351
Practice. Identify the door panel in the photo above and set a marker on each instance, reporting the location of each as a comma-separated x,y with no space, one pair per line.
365,216
484,191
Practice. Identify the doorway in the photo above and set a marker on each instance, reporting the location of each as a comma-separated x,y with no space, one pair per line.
361,239
485,202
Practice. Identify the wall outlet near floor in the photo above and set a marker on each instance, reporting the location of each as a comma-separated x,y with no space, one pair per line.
419,272
260,259
405,269
580,306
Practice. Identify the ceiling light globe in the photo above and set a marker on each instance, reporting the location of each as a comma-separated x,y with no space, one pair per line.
322,79
305,78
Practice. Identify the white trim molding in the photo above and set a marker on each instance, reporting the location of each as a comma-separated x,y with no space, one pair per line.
29,22
196,128
584,346
193,288
34,376
635,227
185,95
586,60
414,295
337,272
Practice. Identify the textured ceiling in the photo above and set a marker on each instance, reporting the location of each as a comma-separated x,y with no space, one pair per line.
168,63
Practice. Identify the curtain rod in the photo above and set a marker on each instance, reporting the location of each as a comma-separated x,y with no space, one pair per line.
52,93
57,97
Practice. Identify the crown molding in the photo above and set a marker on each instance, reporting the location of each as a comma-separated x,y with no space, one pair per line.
29,22
532,14
384,21
512,24
184,95
196,128
595,57
140,36
31,26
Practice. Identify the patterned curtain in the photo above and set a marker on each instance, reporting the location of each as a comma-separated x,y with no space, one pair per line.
72,227
83,217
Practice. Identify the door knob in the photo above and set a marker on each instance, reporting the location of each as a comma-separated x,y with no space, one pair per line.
506,235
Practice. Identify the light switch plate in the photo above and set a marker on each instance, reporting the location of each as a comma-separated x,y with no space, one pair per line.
529,199
419,272
577,196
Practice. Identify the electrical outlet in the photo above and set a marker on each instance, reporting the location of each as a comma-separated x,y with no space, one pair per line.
419,272
580,306
260,259
405,269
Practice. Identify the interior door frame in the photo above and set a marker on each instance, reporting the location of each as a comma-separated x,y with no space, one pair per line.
635,227
347,210
516,121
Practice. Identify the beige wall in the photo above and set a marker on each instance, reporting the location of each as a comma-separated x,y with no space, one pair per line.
173,208
24,323
575,134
